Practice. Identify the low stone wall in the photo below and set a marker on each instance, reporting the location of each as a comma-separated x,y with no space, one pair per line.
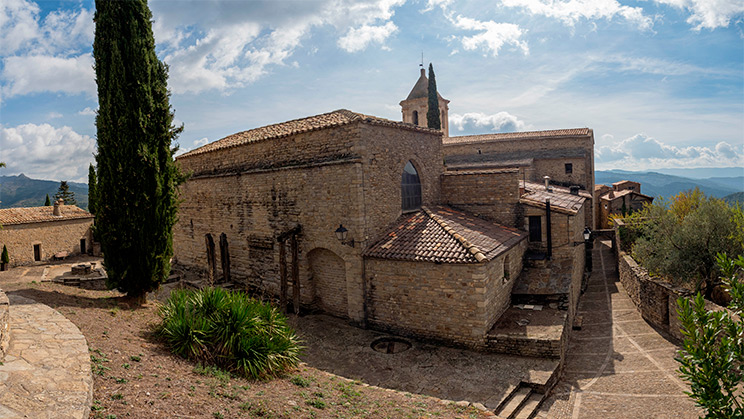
524,346
655,300
4,325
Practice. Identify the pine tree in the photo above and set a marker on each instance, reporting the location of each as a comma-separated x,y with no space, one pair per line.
136,201
47,203
65,194
91,189
432,114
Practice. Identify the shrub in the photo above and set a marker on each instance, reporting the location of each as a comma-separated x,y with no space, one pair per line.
230,330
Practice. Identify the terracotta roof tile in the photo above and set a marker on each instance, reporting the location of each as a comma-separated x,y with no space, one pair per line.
442,234
11,216
560,201
572,132
620,194
296,126
536,186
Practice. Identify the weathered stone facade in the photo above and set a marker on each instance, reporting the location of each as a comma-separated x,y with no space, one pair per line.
34,234
566,156
441,301
489,194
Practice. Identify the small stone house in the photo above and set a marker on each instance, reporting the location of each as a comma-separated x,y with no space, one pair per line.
624,197
36,234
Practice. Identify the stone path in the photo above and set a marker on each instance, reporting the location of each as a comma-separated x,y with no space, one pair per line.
46,373
617,366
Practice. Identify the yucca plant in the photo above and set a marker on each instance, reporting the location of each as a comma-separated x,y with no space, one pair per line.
230,330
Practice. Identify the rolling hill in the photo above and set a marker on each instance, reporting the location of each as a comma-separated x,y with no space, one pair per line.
662,185
22,191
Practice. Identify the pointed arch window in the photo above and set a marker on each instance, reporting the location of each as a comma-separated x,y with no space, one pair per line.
410,188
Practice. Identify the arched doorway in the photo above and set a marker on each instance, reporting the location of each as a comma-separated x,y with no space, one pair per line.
329,278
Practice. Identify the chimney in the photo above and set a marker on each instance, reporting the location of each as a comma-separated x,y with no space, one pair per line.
57,210
423,71
574,189
547,180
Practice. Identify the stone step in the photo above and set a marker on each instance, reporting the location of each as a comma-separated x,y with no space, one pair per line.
530,406
511,405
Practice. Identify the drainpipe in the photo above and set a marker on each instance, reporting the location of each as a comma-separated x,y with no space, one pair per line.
547,222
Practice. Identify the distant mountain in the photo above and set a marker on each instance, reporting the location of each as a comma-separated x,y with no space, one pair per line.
704,172
22,191
661,185
735,198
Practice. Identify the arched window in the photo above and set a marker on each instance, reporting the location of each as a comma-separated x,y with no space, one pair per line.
410,188
415,117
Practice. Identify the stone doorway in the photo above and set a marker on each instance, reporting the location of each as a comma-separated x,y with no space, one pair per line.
329,277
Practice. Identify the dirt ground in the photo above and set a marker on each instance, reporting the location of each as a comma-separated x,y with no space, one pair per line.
136,376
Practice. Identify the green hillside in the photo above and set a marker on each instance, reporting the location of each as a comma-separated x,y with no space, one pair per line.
22,191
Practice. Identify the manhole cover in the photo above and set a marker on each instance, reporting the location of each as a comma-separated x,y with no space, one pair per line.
390,345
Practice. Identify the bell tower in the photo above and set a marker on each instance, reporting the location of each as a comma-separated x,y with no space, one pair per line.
415,106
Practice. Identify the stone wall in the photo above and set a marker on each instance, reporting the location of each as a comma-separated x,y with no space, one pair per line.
4,325
52,236
445,302
549,154
490,194
654,299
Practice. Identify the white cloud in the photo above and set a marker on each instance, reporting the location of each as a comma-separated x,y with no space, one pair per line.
709,14
230,44
18,25
493,35
641,150
46,152
357,39
571,11
54,115
23,75
87,112
476,122
200,142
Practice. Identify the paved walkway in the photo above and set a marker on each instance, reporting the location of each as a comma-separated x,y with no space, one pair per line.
617,365
46,373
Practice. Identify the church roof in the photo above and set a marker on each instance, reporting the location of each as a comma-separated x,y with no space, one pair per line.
442,234
29,215
556,133
311,123
421,88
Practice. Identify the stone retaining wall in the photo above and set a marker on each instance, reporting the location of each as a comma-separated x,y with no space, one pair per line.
4,325
523,346
655,300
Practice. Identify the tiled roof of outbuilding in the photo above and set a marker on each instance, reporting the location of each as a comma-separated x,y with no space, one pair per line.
311,123
561,199
535,186
29,215
620,194
571,132
442,234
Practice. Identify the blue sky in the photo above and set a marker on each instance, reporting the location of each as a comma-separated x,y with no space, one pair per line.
661,82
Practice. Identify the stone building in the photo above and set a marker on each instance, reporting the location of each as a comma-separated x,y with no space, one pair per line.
624,197
415,107
36,234
386,223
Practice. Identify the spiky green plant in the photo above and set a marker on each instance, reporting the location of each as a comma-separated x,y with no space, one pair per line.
229,329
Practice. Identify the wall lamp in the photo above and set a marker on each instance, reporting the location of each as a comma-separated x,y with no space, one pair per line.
341,233
587,236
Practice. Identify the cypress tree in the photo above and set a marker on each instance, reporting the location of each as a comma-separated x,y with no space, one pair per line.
91,189
64,194
432,114
47,203
136,201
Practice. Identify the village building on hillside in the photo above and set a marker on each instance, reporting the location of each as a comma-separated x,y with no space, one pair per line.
386,223
620,199
37,234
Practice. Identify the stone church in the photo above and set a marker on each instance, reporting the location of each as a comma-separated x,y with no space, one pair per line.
389,224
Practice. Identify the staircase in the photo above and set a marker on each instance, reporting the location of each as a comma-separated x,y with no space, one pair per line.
522,403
